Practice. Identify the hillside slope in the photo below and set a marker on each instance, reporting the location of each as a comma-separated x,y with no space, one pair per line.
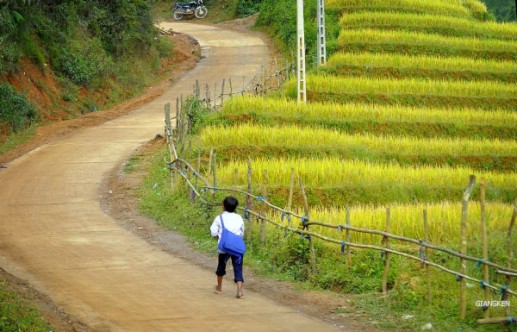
61,59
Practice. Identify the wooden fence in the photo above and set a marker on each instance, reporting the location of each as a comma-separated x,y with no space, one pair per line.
269,79
201,188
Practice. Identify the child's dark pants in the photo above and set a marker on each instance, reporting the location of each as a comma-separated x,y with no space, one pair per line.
237,267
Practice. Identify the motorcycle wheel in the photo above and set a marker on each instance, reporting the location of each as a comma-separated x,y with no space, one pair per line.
177,16
201,12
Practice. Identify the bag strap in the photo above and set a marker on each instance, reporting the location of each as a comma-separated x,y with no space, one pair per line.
222,222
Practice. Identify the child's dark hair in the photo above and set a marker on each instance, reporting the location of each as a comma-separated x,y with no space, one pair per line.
230,203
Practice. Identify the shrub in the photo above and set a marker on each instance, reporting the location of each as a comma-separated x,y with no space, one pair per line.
81,62
15,109
247,7
74,65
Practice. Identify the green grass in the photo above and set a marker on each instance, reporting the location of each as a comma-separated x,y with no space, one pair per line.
377,65
16,139
18,315
415,43
435,24
363,118
243,140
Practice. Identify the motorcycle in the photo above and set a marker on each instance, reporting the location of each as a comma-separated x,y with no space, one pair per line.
189,8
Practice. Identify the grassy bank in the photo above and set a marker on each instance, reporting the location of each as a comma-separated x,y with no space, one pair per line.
16,314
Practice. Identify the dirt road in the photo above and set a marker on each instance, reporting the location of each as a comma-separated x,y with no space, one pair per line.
54,234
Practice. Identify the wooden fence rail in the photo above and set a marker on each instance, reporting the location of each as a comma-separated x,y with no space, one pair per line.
306,222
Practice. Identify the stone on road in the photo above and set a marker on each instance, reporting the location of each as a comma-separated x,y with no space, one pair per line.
54,234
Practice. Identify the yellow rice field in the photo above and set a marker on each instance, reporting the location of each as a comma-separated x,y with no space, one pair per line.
307,138
424,62
407,220
362,85
503,49
413,6
363,112
449,26
333,172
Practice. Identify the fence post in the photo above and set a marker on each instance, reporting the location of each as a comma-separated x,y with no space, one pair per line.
386,241
231,88
276,74
482,194
186,124
270,81
222,92
215,94
187,180
170,143
510,250
263,80
168,125
347,238
426,253
214,166
209,168
463,249
291,191
265,183
177,115
290,201
207,95
249,203
195,176
311,243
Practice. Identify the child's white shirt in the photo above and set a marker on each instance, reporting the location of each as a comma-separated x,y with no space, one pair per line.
232,222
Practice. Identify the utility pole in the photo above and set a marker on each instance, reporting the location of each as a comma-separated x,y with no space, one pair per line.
302,90
322,45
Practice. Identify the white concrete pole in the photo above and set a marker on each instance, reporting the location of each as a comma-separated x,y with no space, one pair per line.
302,97
322,45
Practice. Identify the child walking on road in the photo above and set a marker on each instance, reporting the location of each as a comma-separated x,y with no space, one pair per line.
233,223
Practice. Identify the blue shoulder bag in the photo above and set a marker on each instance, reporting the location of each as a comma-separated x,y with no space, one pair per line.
231,243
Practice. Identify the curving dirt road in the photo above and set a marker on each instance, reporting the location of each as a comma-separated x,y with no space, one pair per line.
54,234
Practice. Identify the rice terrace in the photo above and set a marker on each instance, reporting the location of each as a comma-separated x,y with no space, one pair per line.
381,174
